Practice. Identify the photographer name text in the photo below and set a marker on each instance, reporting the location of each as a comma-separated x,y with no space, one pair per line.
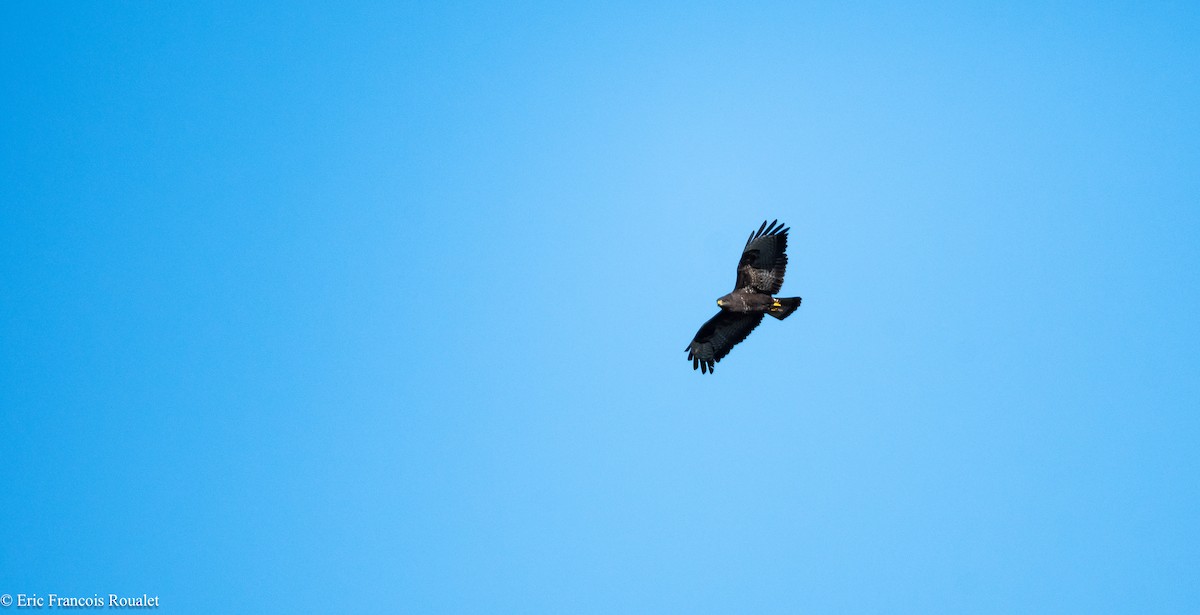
95,601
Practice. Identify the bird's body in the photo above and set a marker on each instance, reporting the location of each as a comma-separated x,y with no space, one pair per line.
760,275
746,302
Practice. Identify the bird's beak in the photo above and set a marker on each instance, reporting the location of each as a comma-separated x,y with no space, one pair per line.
720,303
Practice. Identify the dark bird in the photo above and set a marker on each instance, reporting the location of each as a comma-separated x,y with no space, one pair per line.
759,276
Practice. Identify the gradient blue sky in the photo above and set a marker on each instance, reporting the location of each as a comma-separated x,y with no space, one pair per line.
381,307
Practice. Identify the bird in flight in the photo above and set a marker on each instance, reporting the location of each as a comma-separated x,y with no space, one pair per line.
759,276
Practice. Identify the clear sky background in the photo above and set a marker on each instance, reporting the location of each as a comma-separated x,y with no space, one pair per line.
382,307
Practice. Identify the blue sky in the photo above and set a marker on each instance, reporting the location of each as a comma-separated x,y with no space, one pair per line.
382,307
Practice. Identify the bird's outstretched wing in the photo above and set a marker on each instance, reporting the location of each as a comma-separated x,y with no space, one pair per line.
718,336
763,260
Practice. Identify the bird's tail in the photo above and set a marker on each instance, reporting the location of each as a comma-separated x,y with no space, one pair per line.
784,307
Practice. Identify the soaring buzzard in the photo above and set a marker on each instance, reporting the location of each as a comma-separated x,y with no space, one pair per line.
759,276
